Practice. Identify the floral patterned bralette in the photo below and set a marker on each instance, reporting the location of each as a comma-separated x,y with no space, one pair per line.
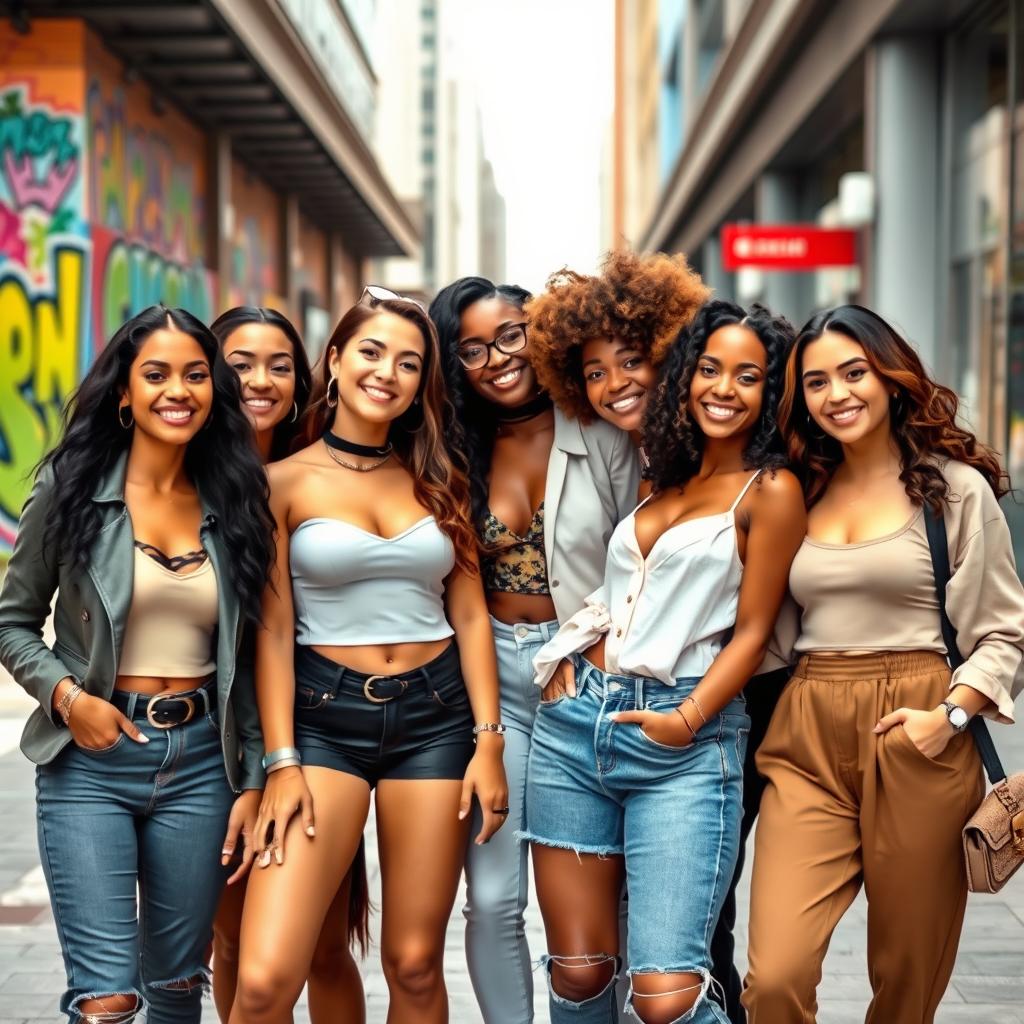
516,565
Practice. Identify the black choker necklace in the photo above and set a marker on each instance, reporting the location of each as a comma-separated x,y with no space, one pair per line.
526,411
366,451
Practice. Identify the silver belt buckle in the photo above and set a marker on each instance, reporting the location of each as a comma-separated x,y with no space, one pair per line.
372,698
153,701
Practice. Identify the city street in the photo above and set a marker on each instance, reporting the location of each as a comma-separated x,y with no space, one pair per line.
987,987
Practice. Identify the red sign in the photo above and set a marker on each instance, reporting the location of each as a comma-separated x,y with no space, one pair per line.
787,247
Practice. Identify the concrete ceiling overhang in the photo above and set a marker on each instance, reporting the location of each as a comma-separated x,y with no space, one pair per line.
283,120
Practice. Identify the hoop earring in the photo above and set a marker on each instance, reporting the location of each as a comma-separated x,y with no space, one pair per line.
820,436
295,412
330,404
120,418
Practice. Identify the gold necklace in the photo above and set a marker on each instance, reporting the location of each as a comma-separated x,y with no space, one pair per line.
355,466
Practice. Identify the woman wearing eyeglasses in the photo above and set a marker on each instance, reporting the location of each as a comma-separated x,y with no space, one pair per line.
375,671
546,493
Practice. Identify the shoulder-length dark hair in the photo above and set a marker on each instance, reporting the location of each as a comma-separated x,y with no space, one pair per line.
673,443
923,414
287,431
221,461
472,424
418,434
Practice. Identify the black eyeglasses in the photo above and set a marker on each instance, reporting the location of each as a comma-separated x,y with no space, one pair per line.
475,354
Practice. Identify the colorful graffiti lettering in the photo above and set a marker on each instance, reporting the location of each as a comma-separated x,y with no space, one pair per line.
43,285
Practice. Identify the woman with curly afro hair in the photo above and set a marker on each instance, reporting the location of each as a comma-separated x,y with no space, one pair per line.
597,341
870,777
546,493
636,767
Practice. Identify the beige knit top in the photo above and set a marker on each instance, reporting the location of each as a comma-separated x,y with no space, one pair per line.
879,595
831,583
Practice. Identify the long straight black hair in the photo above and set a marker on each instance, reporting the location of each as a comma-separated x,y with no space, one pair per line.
222,461
286,433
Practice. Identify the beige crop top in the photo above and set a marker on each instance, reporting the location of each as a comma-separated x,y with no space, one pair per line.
878,595
169,632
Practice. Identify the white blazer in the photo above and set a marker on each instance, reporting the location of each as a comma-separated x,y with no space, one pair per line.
592,482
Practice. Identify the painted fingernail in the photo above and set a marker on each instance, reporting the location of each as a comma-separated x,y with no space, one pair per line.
143,738
310,831
279,855
462,814
265,859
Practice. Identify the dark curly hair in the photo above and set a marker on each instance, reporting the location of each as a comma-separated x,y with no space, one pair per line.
286,433
221,461
922,416
673,443
473,424
643,299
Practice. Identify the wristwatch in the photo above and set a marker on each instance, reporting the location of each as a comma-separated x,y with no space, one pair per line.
958,718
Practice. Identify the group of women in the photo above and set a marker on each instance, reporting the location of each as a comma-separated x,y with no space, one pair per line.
530,572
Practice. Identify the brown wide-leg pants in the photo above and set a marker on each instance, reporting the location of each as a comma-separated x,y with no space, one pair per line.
845,806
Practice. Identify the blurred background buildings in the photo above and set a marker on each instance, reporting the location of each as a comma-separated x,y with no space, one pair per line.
899,119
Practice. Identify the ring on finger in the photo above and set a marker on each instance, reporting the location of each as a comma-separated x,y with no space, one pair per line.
499,810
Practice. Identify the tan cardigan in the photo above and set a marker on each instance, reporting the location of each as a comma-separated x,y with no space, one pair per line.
984,598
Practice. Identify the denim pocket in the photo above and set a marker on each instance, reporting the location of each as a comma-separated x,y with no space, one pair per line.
662,746
453,697
103,751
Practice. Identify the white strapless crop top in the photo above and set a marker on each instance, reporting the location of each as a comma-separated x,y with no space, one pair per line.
351,587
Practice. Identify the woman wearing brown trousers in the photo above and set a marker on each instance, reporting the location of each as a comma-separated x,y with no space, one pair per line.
870,777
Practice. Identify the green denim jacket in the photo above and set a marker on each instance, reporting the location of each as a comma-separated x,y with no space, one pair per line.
89,620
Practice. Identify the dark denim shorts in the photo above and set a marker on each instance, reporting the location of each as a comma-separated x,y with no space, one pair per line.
376,727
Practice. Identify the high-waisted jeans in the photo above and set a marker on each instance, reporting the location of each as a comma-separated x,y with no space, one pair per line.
146,819
603,788
497,873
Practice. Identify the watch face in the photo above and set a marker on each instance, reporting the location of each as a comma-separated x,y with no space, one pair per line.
958,718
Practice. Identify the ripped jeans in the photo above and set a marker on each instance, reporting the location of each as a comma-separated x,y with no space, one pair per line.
134,818
601,788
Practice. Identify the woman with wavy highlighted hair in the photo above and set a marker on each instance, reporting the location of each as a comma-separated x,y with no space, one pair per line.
870,776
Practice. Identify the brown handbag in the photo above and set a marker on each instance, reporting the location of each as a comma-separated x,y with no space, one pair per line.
994,836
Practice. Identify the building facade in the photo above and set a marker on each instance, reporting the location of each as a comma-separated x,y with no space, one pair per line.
201,154
899,118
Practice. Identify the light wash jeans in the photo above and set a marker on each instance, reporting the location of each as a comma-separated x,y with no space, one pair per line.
146,818
599,787
497,872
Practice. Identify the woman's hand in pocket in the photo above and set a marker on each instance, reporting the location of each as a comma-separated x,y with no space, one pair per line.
669,728
95,724
562,683
929,731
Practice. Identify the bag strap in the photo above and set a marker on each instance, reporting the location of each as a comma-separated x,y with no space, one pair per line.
938,545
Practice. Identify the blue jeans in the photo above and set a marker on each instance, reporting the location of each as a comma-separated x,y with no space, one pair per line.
497,873
147,815
674,814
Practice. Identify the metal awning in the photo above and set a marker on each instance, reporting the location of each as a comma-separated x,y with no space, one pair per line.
200,55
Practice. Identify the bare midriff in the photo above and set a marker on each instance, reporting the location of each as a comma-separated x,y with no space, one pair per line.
595,654
384,659
154,684
513,608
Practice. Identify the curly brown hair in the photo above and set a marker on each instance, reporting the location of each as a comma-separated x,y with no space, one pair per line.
923,414
640,298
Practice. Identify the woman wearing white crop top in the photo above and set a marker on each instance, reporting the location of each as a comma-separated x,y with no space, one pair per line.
636,765
358,681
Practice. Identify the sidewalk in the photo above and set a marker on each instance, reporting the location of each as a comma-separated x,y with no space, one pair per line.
987,986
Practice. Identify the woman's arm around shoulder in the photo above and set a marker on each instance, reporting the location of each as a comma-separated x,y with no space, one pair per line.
467,612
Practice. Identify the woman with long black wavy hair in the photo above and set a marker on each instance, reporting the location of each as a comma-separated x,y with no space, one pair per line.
546,492
870,774
636,765
150,520
263,347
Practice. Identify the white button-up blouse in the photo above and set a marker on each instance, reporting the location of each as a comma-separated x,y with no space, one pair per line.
668,615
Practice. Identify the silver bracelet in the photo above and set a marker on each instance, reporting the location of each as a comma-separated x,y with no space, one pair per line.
275,756
497,727
285,762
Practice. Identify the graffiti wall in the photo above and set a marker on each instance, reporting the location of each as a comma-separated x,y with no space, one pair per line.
146,201
102,195
44,249
256,278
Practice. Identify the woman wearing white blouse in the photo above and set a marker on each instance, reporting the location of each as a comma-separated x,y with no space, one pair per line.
642,728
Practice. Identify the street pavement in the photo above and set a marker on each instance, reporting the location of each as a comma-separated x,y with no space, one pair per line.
987,986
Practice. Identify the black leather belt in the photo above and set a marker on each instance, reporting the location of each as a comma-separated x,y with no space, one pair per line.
168,709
